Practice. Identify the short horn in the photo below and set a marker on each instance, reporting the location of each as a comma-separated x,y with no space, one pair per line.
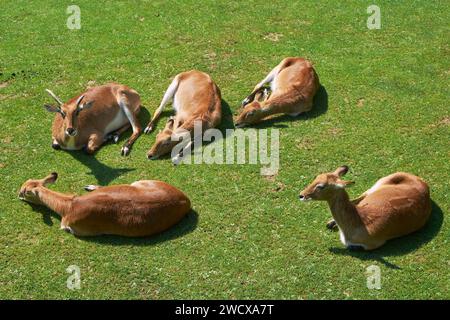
79,100
54,96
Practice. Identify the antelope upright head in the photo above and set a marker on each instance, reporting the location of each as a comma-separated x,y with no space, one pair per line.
325,185
69,112
29,191
163,143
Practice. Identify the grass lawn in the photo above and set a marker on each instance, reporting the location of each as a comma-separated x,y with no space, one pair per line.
383,108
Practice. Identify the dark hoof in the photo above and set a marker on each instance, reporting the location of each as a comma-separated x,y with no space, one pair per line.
56,146
331,225
114,138
125,151
245,101
148,129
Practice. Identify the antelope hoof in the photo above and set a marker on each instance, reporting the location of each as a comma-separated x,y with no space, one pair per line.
245,101
176,160
331,225
56,146
125,151
90,187
114,137
148,129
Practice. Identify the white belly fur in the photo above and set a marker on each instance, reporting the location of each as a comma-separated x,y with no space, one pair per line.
175,104
118,122
273,85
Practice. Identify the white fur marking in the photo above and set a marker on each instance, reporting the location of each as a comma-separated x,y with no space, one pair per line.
347,243
118,122
375,187
69,143
274,84
175,104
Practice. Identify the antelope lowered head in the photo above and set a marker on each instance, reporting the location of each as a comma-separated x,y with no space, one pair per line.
325,185
164,142
69,112
252,113
29,191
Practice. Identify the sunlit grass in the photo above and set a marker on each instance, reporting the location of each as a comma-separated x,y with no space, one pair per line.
386,110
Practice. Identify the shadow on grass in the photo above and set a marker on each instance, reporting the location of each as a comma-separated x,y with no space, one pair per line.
103,173
187,225
227,118
320,107
400,246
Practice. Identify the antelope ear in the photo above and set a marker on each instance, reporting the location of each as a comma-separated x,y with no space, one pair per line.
342,170
170,123
343,184
50,108
86,105
51,178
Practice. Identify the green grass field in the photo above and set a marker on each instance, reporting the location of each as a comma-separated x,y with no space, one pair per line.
383,108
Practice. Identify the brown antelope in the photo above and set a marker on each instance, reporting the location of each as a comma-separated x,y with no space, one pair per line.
141,209
395,206
196,101
100,114
293,85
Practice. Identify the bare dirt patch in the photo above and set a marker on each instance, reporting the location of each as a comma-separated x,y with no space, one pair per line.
305,144
275,37
445,121
360,102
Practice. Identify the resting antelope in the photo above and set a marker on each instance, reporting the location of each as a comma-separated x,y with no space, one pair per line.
196,101
396,205
143,208
95,116
293,85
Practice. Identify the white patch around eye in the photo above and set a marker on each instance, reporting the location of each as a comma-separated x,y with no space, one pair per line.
340,186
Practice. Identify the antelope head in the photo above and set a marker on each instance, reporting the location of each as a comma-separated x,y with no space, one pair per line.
69,112
29,191
253,111
164,142
325,185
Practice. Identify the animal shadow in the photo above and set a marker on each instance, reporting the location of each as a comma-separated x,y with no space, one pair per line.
402,245
103,173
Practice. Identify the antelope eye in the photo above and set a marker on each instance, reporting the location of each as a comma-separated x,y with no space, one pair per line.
320,186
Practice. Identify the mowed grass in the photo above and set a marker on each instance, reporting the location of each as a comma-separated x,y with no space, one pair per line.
384,108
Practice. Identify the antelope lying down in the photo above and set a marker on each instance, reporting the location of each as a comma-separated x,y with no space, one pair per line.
143,208
293,85
396,205
100,114
196,101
